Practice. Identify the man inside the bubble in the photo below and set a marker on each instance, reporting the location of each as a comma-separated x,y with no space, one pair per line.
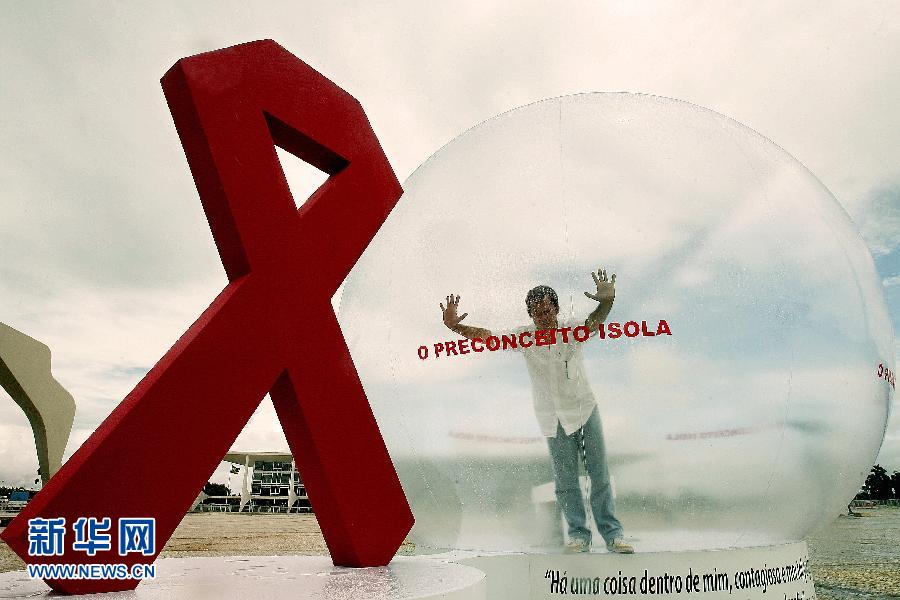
565,408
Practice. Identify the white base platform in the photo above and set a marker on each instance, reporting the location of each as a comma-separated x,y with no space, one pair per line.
772,572
282,577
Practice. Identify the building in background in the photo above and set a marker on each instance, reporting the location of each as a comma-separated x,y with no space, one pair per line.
269,483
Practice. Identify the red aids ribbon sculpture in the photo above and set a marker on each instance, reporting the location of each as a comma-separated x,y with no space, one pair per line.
272,329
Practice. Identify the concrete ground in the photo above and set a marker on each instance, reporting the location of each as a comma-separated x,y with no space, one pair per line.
858,557
852,558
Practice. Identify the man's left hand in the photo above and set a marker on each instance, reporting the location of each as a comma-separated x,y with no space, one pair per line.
606,287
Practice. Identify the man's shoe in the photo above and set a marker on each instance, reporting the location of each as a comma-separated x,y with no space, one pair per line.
576,546
619,546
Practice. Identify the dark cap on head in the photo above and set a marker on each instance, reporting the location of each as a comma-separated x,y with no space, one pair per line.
537,294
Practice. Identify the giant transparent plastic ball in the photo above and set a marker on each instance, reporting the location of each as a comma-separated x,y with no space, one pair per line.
753,423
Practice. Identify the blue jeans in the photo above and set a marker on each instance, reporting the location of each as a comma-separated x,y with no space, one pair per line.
566,451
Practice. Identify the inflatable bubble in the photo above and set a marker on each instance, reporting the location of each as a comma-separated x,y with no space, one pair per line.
746,394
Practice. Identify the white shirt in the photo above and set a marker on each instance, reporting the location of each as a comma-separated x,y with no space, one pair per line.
559,388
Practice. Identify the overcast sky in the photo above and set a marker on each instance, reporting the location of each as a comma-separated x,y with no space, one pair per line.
106,254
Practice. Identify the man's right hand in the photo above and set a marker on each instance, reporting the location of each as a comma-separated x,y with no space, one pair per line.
451,320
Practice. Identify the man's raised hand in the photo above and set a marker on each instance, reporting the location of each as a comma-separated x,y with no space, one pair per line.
451,320
606,287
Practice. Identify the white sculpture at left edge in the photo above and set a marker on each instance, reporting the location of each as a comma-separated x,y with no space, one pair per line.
26,377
